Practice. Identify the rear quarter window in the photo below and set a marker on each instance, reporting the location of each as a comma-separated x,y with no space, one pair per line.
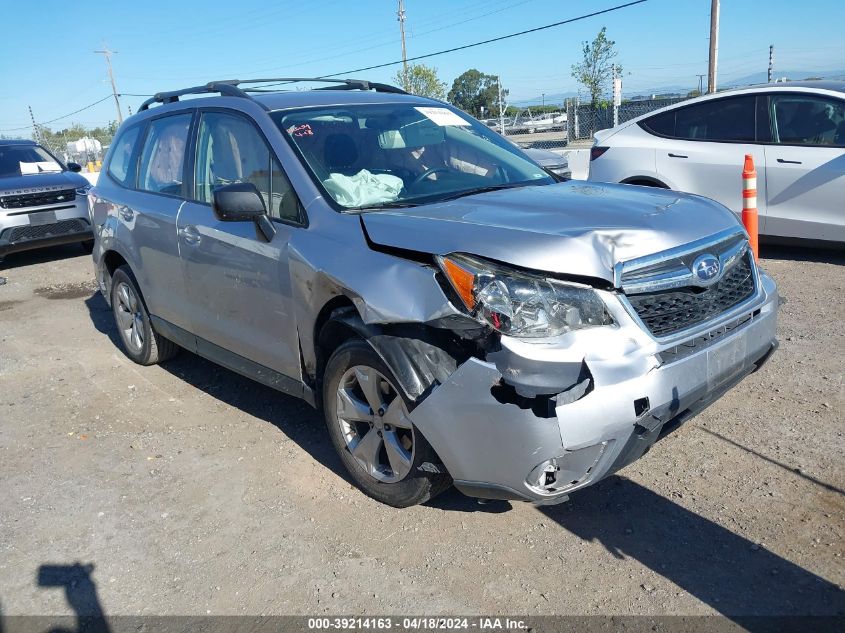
660,124
120,160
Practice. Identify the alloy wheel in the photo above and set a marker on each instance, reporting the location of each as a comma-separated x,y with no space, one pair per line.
374,423
130,321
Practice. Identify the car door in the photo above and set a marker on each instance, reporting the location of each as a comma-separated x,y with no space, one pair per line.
147,215
805,167
238,283
705,151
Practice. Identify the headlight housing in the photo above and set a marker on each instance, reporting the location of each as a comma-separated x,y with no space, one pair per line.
83,190
521,304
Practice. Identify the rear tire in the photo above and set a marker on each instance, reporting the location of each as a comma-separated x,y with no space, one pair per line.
140,342
367,420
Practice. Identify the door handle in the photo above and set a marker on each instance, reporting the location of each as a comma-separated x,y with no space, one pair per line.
190,234
790,162
126,213
671,155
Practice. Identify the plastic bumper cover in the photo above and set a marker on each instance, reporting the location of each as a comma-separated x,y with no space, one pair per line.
498,450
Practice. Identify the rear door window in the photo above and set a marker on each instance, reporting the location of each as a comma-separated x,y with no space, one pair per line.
808,120
163,158
731,119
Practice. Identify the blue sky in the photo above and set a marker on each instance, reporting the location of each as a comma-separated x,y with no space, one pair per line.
47,59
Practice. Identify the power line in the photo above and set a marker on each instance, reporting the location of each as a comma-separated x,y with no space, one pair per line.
58,118
490,41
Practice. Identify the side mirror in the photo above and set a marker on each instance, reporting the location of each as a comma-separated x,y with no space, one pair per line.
238,202
74,167
241,202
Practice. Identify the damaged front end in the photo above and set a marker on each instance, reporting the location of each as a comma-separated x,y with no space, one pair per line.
534,387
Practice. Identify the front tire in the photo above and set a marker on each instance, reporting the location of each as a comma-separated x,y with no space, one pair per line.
141,343
368,422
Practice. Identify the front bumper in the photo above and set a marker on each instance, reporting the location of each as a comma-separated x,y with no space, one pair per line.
25,229
639,390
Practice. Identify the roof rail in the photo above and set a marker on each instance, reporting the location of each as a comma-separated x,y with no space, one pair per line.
229,87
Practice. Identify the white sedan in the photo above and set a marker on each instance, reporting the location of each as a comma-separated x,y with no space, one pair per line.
795,131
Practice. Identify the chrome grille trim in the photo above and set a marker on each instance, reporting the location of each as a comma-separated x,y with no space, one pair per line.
672,268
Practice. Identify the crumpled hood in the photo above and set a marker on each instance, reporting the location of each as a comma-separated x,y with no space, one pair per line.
573,228
37,182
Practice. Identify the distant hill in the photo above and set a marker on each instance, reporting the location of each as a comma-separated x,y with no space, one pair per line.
724,82
794,75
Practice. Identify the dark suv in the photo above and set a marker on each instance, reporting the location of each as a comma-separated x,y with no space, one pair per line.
42,201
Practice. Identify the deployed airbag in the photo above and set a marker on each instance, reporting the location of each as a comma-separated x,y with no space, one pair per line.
364,188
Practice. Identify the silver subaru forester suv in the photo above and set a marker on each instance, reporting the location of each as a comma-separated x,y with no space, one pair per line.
457,315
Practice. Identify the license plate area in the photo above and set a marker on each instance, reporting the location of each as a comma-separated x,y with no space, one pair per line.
726,361
42,217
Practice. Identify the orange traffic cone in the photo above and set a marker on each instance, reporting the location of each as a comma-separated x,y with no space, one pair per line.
749,203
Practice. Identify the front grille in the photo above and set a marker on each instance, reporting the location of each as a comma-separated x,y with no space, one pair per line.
29,233
671,311
37,199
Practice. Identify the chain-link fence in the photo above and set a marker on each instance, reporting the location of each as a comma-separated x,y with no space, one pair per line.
576,122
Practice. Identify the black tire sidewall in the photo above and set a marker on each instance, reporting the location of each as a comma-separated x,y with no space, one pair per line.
124,275
418,486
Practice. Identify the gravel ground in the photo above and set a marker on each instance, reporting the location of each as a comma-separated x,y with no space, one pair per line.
190,490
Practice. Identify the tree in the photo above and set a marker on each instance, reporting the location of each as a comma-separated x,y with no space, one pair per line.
473,90
596,70
421,80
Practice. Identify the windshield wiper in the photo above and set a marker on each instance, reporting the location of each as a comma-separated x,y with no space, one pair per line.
396,204
472,192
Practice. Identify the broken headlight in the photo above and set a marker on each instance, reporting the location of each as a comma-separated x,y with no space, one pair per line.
522,304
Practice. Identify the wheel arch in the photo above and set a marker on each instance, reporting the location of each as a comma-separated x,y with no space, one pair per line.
110,261
645,181
420,356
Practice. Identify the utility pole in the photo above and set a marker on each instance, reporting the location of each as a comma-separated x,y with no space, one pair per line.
714,46
107,54
501,108
401,14
701,84
544,99
771,61
617,94
35,135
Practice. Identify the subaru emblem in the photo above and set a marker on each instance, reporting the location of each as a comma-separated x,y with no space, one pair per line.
706,268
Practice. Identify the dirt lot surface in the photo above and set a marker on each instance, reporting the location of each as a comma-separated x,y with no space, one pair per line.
191,490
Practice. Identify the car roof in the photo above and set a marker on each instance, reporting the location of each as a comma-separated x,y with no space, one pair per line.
17,141
813,84
307,98
810,86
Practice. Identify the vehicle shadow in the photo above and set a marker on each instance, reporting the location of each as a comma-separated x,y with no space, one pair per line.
296,419
734,576
726,571
102,318
797,253
41,256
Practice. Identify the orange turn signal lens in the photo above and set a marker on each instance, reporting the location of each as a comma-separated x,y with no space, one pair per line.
462,281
